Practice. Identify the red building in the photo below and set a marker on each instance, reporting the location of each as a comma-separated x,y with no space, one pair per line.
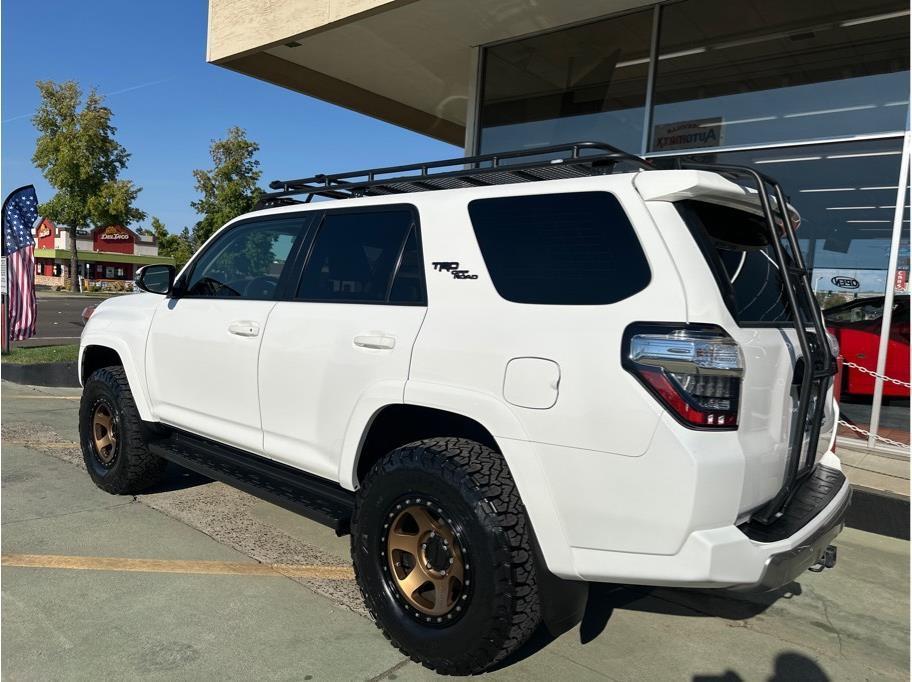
108,256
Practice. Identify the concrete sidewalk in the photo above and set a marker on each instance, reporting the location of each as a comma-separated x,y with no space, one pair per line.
82,622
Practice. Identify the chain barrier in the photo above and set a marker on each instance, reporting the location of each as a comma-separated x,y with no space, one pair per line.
859,430
867,434
865,370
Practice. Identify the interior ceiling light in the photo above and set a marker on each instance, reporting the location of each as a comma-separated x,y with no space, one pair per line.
791,160
848,208
880,187
683,53
860,154
829,189
632,62
875,17
868,221
830,111
737,121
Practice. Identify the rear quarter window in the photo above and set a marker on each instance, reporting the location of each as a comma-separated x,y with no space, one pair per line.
737,249
574,248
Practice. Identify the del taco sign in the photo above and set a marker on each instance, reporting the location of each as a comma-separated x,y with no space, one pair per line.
113,238
114,233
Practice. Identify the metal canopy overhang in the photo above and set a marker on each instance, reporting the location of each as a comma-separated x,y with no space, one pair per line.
407,62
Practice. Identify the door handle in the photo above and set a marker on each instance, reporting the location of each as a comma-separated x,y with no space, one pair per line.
376,341
244,328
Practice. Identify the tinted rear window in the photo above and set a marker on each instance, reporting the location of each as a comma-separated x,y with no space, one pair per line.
737,248
560,249
355,256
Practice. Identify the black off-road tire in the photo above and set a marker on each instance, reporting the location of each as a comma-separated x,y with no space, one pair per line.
473,486
133,467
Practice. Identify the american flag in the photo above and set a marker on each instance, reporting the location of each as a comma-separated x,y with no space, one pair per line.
20,211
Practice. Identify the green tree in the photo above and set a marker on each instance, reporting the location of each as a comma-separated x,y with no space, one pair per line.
78,155
178,246
230,187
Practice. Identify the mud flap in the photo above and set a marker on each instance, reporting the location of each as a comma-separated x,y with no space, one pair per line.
563,602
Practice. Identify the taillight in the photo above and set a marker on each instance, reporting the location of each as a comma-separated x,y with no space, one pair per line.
694,370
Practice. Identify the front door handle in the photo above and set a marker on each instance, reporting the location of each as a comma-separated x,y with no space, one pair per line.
244,328
376,341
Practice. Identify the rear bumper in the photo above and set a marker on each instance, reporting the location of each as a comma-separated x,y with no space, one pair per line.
782,568
726,556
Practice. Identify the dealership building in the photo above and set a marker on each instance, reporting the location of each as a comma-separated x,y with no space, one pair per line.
108,256
815,94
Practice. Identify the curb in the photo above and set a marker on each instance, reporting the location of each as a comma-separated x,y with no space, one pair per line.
62,374
878,511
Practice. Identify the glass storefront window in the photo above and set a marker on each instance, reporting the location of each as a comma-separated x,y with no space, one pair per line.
580,83
894,410
757,74
846,195
767,71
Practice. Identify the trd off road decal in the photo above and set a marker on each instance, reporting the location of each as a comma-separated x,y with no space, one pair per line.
453,268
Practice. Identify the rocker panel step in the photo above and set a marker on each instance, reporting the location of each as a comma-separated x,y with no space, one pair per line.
297,491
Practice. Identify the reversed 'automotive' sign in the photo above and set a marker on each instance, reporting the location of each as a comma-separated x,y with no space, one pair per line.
701,132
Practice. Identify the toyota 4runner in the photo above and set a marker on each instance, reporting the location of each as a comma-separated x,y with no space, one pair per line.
504,375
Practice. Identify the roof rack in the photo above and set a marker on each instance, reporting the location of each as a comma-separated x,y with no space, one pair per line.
572,160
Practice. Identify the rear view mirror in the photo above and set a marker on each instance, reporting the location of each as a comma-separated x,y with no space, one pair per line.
156,279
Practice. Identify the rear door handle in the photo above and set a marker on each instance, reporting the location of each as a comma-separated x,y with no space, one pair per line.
376,341
244,328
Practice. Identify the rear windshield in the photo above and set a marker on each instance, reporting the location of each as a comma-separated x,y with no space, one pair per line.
575,248
736,246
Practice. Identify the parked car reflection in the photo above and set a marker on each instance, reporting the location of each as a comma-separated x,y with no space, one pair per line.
856,326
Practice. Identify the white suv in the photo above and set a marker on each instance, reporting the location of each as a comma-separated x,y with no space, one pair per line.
505,375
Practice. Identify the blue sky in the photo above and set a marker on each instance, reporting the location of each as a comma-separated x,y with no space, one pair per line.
168,103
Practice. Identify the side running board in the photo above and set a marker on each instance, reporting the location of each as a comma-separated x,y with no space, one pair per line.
302,493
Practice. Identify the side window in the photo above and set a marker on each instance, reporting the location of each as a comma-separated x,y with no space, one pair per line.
577,248
364,257
245,262
408,286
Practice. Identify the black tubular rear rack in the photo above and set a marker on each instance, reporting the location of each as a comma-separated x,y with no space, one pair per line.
580,159
577,159
818,362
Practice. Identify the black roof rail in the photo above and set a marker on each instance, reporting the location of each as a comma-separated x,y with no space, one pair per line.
571,160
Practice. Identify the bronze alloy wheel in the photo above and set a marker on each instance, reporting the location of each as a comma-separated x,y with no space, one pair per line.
426,561
104,433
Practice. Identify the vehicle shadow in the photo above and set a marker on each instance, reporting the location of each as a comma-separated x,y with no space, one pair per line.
604,599
177,478
787,667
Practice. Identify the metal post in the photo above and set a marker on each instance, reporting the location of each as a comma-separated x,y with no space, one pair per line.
650,78
6,344
473,103
887,317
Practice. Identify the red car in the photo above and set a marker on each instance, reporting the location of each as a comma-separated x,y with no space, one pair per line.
857,327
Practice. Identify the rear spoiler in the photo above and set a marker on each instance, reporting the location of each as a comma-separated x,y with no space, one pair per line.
678,185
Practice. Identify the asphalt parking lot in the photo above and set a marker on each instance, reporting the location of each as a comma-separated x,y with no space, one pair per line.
197,581
59,319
